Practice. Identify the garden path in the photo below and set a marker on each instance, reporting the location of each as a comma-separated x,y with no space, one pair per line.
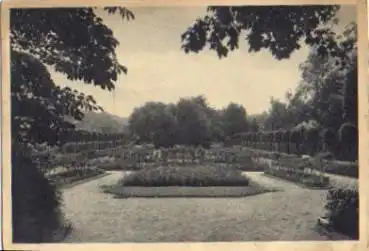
288,215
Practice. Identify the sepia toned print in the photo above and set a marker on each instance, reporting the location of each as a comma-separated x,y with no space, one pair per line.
184,124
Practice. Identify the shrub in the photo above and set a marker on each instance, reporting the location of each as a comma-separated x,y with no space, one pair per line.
286,136
35,202
349,169
329,139
72,176
311,140
296,137
278,136
260,136
343,210
348,136
255,137
270,140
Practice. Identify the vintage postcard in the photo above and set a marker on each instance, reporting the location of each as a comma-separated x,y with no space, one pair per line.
185,125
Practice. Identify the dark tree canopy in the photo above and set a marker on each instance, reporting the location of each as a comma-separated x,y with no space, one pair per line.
234,120
72,41
279,29
38,105
76,43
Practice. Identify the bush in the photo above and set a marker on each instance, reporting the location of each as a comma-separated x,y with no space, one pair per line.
35,202
349,169
73,175
348,136
186,176
296,137
270,140
312,140
329,139
343,210
286,136
278,136
285,139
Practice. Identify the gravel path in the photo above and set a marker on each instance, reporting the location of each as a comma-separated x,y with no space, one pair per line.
287,215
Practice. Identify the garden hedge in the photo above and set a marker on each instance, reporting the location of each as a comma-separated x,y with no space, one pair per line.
343,210
35,202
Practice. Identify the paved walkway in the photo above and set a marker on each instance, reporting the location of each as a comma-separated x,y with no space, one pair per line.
98,217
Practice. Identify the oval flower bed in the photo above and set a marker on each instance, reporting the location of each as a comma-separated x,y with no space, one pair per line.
191,175
186,181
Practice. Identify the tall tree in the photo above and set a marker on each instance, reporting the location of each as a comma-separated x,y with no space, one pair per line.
144,120
254,125
325,83
76,43
194,124
234,120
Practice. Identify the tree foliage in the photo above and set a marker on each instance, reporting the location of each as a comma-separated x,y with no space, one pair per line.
279,29
72,41
76,43
234,119
328,90
191,121
154,122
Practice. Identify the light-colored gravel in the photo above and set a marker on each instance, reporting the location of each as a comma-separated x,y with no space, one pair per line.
287,215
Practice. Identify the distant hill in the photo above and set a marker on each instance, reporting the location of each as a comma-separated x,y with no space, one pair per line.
101,122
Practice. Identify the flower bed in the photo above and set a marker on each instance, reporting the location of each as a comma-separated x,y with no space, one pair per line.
186,181
297,170
344,168
191,175
310,180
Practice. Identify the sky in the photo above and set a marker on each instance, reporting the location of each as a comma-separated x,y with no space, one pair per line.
158,70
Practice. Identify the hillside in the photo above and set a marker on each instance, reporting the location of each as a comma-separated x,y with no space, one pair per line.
102,122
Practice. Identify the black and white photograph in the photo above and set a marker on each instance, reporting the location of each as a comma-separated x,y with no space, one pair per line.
183,124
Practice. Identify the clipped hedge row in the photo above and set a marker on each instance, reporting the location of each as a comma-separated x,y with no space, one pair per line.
342,143
344,168
296,170
73,147
86,136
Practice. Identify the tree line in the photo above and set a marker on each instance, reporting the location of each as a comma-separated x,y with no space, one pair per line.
191,121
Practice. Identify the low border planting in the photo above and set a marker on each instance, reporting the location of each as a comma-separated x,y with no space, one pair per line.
75,175
297,170
309,180
186,192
